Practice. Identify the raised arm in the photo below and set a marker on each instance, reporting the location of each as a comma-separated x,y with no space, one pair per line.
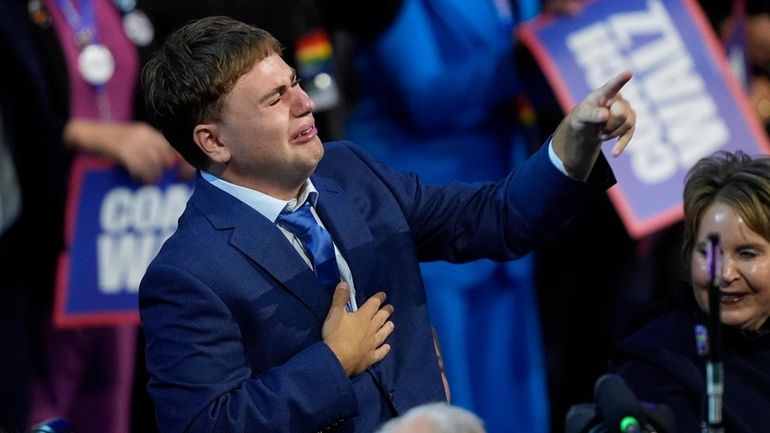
602,115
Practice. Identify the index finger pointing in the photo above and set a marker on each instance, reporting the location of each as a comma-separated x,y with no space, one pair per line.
612,87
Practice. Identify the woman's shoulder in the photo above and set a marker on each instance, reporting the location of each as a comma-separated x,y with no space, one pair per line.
672,331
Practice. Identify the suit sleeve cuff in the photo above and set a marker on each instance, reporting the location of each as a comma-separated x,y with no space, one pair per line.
555,160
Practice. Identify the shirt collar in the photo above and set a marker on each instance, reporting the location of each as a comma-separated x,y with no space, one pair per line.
269,207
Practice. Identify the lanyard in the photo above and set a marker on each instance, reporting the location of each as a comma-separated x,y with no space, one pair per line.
95,61
80,20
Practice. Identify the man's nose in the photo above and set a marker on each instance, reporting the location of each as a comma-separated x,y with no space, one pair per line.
302,104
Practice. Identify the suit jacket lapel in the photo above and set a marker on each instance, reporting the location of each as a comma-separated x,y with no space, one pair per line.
351,234
264,243
353,237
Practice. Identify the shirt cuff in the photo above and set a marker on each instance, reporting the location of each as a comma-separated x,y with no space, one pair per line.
555,160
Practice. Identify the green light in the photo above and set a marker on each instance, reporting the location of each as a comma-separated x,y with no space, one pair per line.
627,422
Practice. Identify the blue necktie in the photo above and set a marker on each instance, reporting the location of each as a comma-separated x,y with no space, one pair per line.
317,242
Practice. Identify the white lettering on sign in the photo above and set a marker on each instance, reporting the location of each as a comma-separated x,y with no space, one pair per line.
134,224
677,119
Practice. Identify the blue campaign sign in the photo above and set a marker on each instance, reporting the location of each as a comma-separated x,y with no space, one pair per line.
688,102
114,228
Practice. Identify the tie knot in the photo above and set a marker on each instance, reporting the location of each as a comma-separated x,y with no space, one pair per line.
299,221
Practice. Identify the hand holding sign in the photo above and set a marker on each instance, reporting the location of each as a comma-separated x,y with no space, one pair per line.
139,148
602,115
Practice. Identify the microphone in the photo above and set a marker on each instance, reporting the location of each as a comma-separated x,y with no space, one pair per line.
621,410
712,422
583,418
618,410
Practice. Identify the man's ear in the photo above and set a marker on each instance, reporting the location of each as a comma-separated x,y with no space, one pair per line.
208,139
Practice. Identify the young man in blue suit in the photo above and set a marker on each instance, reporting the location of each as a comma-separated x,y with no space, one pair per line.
242,334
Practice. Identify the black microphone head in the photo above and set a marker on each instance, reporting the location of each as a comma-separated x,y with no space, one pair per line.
620,409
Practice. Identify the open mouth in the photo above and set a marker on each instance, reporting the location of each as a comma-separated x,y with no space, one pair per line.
731,298
305,132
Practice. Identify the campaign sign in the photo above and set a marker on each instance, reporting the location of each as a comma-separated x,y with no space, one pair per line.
688,103
114,228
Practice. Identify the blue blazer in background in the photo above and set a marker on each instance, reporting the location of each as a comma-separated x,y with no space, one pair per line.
233,315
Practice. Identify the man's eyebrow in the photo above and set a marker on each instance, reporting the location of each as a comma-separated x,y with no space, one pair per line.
279,90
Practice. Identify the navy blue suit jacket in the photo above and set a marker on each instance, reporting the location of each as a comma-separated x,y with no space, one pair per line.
233,316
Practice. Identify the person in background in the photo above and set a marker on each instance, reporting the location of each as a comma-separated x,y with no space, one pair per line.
727,194
77,64
435,418
455,107
246,326
744,30
23,201
14,332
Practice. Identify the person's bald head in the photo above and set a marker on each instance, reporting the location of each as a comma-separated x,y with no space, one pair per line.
435,418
